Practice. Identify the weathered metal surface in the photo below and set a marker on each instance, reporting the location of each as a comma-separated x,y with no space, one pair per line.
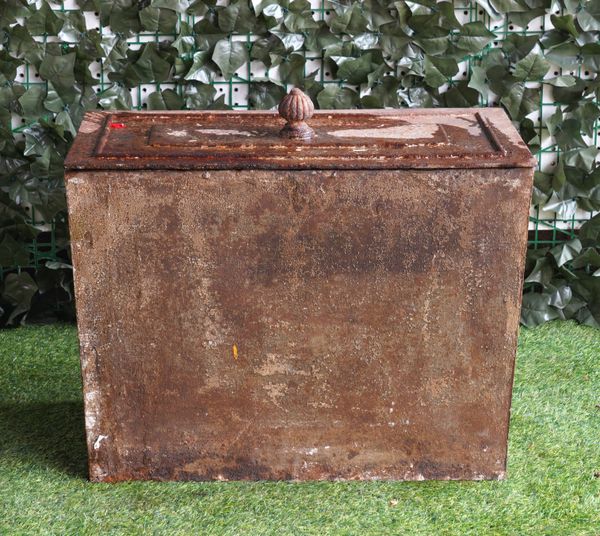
256,324
386,139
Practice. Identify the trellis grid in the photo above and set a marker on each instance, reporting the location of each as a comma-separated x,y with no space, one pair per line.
546,228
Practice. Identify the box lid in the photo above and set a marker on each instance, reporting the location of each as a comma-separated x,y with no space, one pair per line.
349,139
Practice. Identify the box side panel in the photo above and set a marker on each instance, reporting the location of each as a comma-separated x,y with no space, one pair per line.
298,325
86,205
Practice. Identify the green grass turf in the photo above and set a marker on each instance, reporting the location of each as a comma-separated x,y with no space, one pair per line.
551,488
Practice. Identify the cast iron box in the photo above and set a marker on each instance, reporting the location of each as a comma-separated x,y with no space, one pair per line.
254,307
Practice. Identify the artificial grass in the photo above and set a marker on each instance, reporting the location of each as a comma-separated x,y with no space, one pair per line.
554,454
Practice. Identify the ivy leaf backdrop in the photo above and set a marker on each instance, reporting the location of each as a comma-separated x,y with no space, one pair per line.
538,59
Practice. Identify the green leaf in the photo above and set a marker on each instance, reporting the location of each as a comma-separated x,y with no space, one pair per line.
355,70
520,101
265,95
157,20
589,256
532,67
236,17
473,37
116,97
542,272
589,16
566,251
517,47
536,309
565,23
478,80
337,98
200,70
164,100
59,71
589,233
565,55
439,70
151,67
44,21
229,56
32,102
19,289
433,41
590,54
13,252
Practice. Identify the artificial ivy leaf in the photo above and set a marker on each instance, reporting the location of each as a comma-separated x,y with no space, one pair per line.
532,67
44,21
473,37
384,94
565,23
291,69
153,19
229,56
589,232
530,134
184,44
116,97
18,291
589,16
180,6
587,114
565,55
520,101
121,15
567,133
590,54
588,257
266,47
164,100
460,95
337,98
355,70
517,47
22,46
561,297
348,19
566,251
536,309
433,41
561,81
59,71
564,208
32,102
200,70
542,272
478,80
236,17
149,67
13,252
265,95
542,186
299,17
581,158
439,70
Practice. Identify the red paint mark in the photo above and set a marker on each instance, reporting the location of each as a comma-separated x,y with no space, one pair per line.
117,125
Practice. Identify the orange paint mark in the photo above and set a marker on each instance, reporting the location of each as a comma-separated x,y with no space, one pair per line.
235,351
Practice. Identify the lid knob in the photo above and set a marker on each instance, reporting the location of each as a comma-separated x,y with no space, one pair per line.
296,108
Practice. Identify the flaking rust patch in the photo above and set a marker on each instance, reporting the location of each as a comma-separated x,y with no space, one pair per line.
407,132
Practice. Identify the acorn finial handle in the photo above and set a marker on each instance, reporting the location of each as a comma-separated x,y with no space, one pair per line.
296,108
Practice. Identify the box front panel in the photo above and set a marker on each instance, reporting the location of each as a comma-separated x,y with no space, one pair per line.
298,325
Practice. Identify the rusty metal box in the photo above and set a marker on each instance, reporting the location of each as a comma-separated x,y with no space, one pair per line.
252,307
